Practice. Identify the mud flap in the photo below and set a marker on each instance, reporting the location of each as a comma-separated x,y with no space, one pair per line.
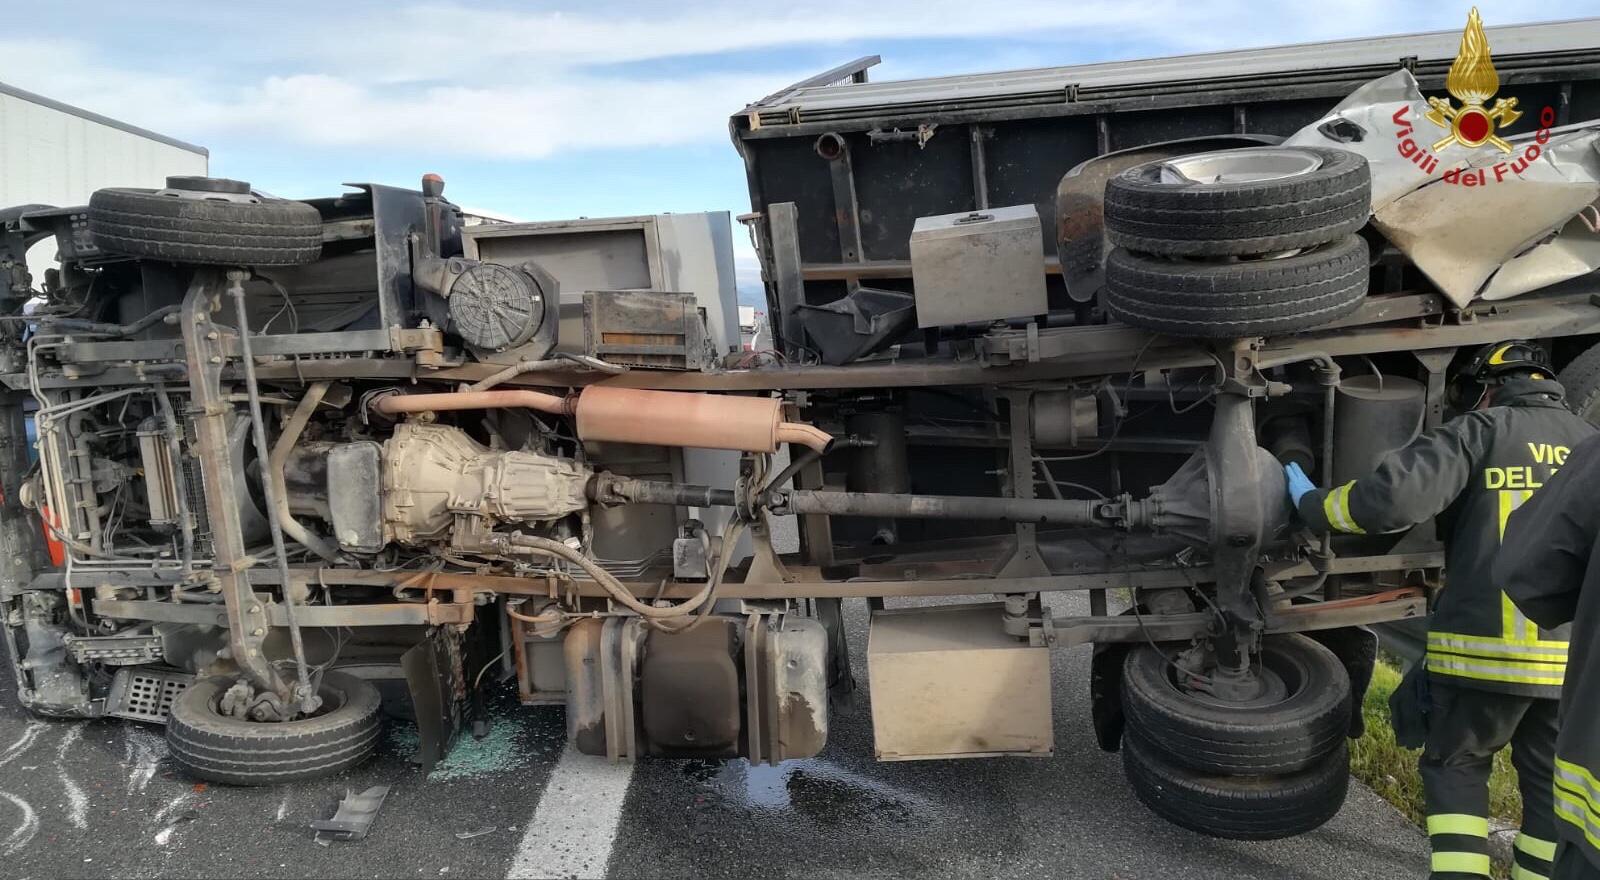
432,668
1105,693
1357,648
842,694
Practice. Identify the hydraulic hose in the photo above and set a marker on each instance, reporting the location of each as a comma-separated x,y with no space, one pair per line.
561,361
79,325
612,586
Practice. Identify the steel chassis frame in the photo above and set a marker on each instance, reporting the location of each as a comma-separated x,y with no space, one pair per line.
1005,359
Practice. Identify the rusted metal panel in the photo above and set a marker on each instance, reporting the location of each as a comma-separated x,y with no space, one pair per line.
640,328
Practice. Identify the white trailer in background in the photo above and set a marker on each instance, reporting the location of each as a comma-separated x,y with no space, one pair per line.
56,154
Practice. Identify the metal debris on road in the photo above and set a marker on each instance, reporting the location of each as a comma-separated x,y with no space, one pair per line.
476,832
354,817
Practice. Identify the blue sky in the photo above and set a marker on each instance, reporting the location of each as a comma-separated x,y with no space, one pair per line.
547,110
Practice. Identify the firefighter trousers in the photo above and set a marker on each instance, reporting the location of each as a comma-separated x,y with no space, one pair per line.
1466,727
1573,864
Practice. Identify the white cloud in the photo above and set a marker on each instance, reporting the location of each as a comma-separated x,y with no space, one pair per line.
563,110
465,81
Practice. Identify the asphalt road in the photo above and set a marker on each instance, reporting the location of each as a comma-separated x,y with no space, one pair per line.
99,799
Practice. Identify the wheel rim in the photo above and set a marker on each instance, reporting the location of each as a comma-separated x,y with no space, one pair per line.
1281,676
333,699
1253,165
209,185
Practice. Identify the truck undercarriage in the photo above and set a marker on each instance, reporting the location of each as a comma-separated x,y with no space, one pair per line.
294,455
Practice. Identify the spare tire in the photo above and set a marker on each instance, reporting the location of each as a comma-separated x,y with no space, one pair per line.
1217,300
1239,807
1301,717
205,221
221,748
1232,202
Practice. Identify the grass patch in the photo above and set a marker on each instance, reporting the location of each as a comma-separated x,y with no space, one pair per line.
1391,771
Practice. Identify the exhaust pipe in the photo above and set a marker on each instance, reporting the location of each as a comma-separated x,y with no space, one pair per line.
635,415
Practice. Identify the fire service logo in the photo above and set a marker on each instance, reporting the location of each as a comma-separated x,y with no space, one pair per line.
1472,81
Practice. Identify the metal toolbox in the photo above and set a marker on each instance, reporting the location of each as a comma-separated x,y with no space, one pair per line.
978,266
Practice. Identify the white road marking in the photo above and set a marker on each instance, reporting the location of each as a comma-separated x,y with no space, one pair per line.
77,801
572,831
167,817
26,829
141,757
166,812
20,744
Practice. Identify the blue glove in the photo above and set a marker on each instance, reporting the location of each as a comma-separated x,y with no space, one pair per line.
1299,483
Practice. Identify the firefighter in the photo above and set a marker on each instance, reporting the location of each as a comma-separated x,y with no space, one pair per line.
1550,570
1494,677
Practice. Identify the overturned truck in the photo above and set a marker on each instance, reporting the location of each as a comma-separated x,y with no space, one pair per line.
297,461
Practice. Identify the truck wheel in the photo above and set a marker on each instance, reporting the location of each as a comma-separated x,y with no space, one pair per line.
205,220
1233,202
1239,807
220,748
1301,717
1235,299
1581,378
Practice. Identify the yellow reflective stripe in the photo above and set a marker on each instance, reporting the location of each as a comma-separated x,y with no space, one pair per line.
1534,667
1539,849
1459,823
1461,863
1577,779
1488,646
1520,873
1336,507
1496,670
1570,808
1510,500
1514,624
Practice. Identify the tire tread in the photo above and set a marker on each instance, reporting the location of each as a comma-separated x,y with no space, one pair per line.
1255,298
1239,808
221,749
139,223
1234,219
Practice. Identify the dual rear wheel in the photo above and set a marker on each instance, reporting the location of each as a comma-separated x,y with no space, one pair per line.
1272,765
1249,242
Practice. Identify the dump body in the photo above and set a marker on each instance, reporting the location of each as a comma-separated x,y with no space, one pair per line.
863,160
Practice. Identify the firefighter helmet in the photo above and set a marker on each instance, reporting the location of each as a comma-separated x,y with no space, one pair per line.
1493,362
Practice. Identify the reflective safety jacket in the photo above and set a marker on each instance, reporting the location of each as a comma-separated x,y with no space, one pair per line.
1550,569
1475,469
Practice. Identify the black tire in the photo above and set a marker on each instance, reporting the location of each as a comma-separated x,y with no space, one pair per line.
1284,733
1217,300
1235,218
1239,807
218,748
140,223
1581,379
